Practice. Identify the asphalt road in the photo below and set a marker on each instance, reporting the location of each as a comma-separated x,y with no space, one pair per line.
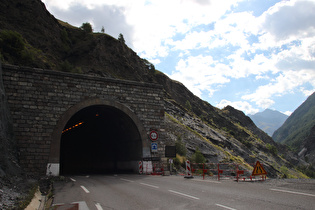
176,192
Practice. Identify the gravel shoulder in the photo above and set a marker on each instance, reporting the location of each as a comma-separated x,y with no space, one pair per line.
305,185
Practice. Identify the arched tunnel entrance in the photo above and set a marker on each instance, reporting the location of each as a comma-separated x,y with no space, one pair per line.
100,139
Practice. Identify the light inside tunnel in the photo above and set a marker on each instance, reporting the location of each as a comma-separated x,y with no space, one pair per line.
102,139
71,127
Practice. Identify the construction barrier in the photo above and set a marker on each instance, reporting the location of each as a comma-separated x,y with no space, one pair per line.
148,168
238,172
188,170
157,170
140,167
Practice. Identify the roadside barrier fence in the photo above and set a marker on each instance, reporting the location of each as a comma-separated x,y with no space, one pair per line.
219,171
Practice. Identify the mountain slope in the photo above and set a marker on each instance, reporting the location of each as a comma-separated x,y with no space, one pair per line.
298,126
227,132
268,120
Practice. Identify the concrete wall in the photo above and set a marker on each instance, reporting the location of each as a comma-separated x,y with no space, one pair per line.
42,101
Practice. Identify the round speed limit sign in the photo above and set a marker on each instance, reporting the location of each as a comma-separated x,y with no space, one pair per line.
154,135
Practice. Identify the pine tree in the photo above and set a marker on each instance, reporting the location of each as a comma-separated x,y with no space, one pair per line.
121,38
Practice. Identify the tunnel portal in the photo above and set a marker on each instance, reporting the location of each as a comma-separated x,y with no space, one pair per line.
100,139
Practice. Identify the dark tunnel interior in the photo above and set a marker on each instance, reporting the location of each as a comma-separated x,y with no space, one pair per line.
99,140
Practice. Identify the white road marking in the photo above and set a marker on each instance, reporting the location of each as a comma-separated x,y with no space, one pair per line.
293,192
200,180
149,185
127,180
226,207
98,206
86,190
72,179
183,194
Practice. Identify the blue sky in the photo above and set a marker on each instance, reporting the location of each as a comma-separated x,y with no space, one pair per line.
250,54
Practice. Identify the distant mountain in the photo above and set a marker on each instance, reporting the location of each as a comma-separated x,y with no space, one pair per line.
297,132
269,120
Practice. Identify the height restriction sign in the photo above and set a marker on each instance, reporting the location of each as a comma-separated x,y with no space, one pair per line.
154,135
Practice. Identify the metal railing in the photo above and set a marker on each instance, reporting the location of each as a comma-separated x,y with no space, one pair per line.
219,171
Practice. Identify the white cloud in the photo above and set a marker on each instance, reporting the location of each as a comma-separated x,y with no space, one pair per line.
106,15
297,57
198,74
287,113
307,92
285,22
291,19
285,83
161,20
240,105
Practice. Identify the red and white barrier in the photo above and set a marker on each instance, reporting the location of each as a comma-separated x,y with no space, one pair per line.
188,170
140,167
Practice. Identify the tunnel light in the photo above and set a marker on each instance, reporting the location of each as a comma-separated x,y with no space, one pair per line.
68,129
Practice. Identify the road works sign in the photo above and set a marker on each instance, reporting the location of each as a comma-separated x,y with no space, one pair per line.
259,170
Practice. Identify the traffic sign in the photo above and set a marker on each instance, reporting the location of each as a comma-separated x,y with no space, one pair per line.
154,147
259,170
154,135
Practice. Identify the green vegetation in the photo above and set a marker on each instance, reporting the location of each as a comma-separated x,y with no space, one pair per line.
66,42
68,67
188,106
12,44
179,161
87,28
198,157
285,172
180,147
14,49
272,148
307,170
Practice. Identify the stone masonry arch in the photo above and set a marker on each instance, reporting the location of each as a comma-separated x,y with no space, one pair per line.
53,166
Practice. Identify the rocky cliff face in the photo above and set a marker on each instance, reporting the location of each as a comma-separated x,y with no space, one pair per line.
308,148
224,145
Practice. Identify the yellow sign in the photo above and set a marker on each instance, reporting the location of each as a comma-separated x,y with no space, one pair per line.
259,170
